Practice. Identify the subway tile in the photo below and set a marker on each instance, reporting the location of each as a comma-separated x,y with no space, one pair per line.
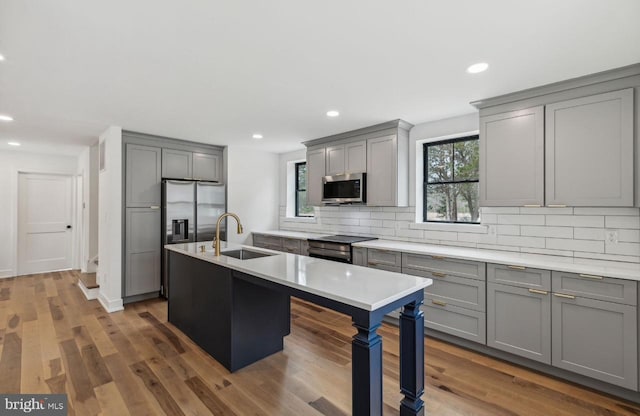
627,249
399,224
371,223
461,228
406,216
546,211
521,219
418,234
340,221
575,245
508,229
546,231
622,222
576,220
500,210
498,247
383,232
546,251
390,223
607,211
441,235
629,236
383,215
518,241
589,233
478,238
489,218
599,258
458,244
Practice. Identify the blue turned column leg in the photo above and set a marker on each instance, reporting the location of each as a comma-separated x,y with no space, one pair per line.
366,369
412,359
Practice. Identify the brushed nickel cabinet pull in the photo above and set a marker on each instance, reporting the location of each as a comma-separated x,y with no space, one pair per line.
557,206
154,207
531,205
562,295
438,274
590,276
372,263
439,303
517,267
539,292
438,257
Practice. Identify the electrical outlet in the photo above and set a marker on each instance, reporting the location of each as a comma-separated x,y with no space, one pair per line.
611,236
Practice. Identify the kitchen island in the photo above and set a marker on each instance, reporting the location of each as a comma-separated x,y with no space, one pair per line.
238,311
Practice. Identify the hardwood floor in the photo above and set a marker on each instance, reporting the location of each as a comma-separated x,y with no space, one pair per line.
135,363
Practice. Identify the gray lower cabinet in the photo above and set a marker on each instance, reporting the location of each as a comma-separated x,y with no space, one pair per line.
288,245
143,175
519,321
177,164
519,276
512,158
589,148
315,172
142,251
454,320
596,339
267,241
384,260
207,167
291,245
359,256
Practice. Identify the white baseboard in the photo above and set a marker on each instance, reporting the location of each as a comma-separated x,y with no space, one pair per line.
90,294
110,305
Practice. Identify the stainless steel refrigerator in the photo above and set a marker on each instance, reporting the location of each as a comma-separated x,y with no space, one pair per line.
190,210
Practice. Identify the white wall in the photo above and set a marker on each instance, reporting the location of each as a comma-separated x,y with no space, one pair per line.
12,162
88,168
110,222
252,191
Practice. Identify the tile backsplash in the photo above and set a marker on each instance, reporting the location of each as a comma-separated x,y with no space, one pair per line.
582,233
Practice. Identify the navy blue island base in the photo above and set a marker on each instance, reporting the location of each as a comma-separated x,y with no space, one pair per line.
234,293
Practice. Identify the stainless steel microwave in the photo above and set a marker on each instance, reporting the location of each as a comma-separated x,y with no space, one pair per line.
343,189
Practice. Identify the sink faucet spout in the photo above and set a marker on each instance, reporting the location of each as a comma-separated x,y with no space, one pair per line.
216,242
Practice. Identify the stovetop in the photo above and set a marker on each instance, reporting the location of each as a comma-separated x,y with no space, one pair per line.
343,239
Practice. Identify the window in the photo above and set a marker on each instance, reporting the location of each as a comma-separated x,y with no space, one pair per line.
302,209
451,184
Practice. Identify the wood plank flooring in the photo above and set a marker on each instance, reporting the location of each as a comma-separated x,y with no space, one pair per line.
135,363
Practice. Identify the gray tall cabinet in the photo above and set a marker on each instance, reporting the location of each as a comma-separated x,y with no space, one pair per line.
567,144
146,161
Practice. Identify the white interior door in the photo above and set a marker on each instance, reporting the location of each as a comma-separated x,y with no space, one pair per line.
45,209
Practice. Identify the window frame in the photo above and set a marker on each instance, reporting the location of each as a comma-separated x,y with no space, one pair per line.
425,178
297,190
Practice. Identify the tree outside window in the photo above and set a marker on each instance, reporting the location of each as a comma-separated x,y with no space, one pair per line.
451,184
302,209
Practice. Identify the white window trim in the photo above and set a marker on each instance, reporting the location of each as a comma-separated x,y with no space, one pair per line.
291,195
434,226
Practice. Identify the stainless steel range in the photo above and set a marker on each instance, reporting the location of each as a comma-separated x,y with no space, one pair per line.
335,247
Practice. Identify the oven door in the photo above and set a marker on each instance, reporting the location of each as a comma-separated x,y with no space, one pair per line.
346,188
330,251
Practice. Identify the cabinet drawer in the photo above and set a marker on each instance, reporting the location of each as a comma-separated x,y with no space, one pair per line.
439,264
454,290
450,319
388,258
596,287
519,276
386,267
267,241
291,245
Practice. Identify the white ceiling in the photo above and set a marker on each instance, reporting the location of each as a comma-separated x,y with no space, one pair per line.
219,71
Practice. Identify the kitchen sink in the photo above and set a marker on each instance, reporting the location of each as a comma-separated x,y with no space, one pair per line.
244,254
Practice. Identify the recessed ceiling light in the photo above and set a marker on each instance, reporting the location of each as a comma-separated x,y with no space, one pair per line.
257,136
479,67
333,113
5,118
13,143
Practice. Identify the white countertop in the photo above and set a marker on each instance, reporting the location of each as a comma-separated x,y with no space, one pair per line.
362,287
620,270
291,234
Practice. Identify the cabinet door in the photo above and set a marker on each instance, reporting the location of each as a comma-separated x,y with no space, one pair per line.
519,321
143,250
143,176
359,256
596,339
512,158
451,319
589,150
177,164
291,245
207,167
315,172
335,160
382,171
355,157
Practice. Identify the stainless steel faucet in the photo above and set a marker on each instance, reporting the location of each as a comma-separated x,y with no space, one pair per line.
216,242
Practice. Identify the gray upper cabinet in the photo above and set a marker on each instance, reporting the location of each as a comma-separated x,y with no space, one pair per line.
385,185
142,251
177,164
143,175
346,158
207,167
589,150
595,338
315,172
512,158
